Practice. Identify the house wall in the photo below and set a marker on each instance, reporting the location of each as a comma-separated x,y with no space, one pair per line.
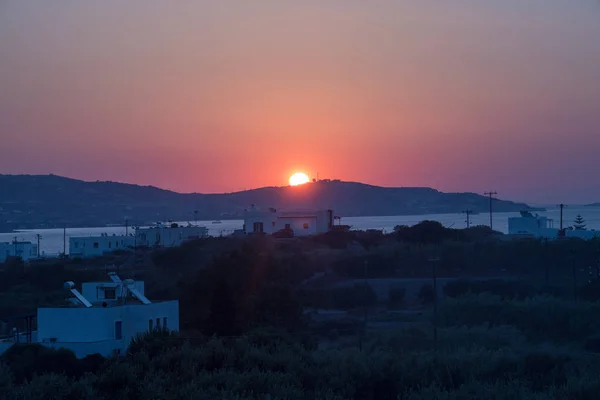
297,224
94,246
319,221
582,234
269,220
90,330
167,236
25,250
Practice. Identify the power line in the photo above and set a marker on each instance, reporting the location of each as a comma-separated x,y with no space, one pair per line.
491,194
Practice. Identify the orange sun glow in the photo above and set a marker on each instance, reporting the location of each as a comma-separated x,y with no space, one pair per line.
299,178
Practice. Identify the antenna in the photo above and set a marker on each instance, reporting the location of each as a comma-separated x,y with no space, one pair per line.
71,287
468,212
491,193
135,292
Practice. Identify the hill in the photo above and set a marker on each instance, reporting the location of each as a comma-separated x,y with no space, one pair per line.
46,201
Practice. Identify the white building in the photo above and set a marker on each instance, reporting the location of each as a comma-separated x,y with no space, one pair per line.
532,225
25,250
584,234
94,246
300,222
103,319
166,236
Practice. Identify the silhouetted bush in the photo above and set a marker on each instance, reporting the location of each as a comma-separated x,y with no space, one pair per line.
27,360
426,294
396,296
506,289
359,295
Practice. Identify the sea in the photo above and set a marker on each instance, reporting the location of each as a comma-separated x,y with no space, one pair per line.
55,241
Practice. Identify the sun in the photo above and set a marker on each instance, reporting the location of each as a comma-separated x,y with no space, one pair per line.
299,178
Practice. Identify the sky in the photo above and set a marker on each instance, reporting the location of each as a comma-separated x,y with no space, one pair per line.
219,96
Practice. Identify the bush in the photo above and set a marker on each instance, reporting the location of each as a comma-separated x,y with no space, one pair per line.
506,289
359,295
427,294
396,296
27,360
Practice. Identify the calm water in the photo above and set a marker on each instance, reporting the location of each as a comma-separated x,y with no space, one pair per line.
52,239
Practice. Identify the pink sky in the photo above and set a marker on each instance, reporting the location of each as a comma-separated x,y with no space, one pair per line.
212,96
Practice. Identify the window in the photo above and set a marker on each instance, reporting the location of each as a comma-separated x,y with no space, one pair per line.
288,226
110,293
118,330
165,323
117,244
95,245
76,245
109,245
273,223
305,226
151,325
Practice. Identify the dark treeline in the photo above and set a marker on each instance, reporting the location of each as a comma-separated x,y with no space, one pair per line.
245,332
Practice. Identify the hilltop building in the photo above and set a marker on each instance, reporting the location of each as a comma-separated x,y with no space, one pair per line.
168,236
94,246
532,225
299,222
529,225
102,319
25,250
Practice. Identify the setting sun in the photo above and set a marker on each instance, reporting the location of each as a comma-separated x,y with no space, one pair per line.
299,178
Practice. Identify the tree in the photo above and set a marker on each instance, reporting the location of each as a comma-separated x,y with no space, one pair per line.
579,222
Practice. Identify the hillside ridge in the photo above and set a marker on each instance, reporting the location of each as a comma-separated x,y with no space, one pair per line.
52,201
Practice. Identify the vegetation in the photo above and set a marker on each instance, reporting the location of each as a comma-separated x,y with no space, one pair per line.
579,223
519,320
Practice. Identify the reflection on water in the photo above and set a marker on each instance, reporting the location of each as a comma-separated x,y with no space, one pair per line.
52,239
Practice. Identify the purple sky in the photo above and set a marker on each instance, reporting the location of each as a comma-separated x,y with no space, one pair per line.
211,96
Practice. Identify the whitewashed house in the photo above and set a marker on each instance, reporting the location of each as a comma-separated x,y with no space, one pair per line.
102,319
585,234
25,250
168,236
532,225
300,222
94,246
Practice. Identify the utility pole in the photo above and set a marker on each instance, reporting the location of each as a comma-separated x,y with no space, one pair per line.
491,194
468,212
562,206
38,237
15,242
64,241
126,226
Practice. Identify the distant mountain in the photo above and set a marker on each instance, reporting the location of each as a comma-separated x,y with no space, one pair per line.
36,201
593,205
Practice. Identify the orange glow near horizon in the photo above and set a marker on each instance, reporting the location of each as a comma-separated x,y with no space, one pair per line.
219,97
299,178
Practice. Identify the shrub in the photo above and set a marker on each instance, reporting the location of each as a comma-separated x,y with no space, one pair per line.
396,296
359,295
427,294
